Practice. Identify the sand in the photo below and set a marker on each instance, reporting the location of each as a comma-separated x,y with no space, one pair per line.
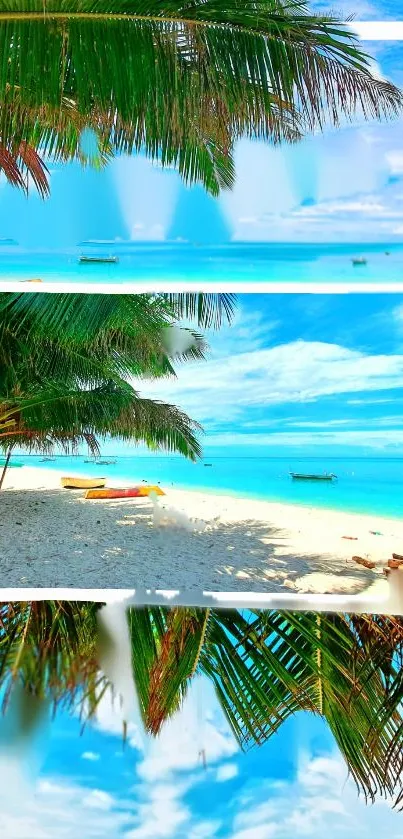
186,540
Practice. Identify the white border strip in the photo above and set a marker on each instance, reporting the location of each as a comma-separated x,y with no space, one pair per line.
378,30
244,287
390,603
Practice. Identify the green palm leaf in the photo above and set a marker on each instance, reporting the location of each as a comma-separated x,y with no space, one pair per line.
71,417
68,364
178,81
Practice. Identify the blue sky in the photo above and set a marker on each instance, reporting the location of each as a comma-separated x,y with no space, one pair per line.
294,786
362,9
296,374
343,185
322,373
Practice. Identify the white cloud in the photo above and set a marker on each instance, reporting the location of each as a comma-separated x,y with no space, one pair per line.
154,808
319,802
172,764
205,829
395,162
397,313
250,330
370,206
223,389
262,831
198,730
42,809
362,9
336,186
381,440
98,800
162,814
226,772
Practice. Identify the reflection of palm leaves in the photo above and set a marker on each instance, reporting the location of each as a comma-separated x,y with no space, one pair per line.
50,648
179,81
265,666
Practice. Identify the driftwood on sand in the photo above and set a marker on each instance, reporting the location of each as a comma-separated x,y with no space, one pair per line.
395,562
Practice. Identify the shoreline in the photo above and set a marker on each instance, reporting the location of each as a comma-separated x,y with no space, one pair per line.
186,540
226,493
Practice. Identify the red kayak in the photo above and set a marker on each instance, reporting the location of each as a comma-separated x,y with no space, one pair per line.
125,492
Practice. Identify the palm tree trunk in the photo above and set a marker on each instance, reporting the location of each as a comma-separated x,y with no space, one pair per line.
3,474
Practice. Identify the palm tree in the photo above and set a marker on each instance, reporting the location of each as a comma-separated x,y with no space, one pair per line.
67,363
180,82
265,666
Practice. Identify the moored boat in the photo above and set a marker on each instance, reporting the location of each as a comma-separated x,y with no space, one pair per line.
85,259
125,492
301,476
360,260
83,483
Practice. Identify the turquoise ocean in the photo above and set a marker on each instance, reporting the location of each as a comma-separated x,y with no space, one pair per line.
364,485
235,262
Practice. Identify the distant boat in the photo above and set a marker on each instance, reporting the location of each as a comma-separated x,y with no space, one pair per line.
208,464
387,253
104,462
301,476
359,260
109,259
46,459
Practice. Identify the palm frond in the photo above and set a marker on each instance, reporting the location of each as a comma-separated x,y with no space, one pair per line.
180,82
107,411
210,310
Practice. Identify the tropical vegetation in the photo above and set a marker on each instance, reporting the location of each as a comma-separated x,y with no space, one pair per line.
264,665
178,81
68,363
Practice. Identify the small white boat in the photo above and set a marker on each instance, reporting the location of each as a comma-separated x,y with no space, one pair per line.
359,260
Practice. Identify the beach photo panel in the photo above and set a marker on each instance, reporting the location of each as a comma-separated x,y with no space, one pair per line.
123,721
92,194
191,442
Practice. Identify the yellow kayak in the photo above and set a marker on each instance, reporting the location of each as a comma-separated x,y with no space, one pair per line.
124,492
82,483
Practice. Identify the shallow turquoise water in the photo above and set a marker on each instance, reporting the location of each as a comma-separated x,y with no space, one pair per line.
364,485
236,262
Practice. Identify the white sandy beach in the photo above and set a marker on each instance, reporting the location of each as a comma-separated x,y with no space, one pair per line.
187,540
